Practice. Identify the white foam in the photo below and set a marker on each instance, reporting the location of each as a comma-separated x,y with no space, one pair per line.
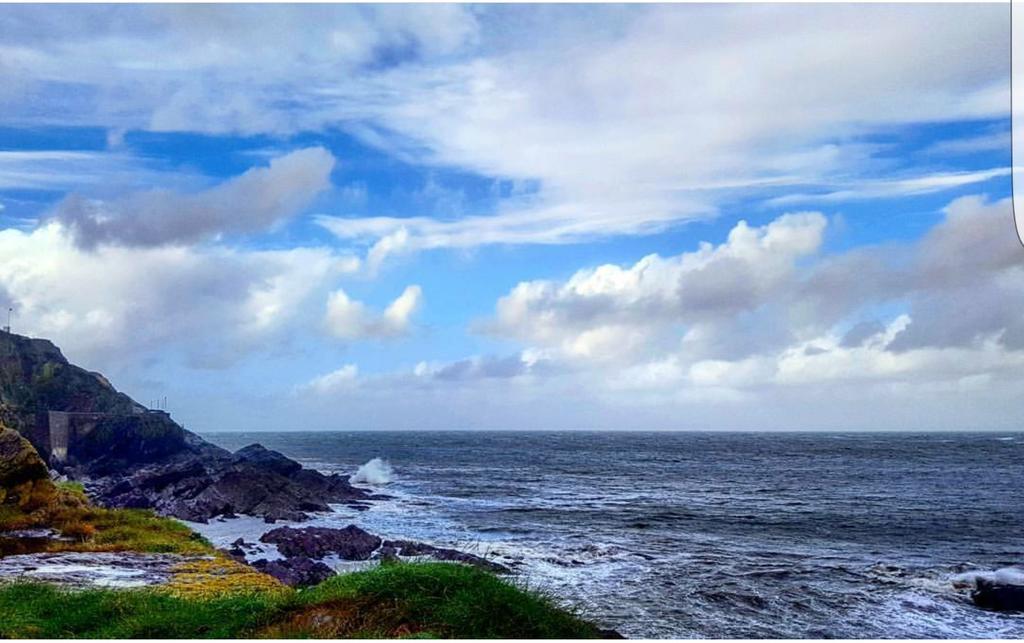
1004,576
376,471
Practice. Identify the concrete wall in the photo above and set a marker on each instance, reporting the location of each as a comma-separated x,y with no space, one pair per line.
64,428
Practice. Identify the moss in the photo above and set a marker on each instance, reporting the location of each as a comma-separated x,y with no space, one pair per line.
66,509
19,462
219,576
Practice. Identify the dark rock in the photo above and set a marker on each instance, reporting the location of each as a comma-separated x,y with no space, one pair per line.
298,571
997,596
274,515
200,485
260,456
609,634
410,548
350,543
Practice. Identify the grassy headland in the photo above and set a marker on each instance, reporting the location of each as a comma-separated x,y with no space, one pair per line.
433,600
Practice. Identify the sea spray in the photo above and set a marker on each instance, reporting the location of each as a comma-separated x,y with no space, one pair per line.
376,471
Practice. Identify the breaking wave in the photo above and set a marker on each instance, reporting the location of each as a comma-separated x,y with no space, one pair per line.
376,471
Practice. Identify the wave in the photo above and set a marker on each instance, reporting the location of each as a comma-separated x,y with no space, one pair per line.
1003,576
376,471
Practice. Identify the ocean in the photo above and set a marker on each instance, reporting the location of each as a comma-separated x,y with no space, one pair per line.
698,535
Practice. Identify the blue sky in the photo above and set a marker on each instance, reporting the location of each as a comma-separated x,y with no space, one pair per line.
457,216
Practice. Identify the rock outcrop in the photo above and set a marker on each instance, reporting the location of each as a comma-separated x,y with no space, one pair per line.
349,543
353,543
19,462
999,597
129,456
206,481
24,477
295,572
394,548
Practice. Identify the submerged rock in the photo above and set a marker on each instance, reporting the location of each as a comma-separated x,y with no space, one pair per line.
349,543
298,571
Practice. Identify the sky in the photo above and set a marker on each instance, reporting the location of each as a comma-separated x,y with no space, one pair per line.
690,217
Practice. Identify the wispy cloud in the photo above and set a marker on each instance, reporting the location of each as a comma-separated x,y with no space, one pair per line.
893,188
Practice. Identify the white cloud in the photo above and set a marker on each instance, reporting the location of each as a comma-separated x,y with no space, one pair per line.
611,311
990,142
253,201
114,304
764,309
620,142
614,139
349,319
61,170
891,188
342,378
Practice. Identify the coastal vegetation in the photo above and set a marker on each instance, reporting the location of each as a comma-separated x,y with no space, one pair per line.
433,600
211,595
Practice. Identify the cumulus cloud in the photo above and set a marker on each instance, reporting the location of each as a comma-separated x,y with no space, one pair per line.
766,308
253,201
116,303
610,310
349,319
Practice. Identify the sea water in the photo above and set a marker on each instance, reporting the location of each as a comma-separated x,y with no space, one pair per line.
705,534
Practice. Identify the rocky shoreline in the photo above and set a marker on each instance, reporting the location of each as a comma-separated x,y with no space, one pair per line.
128,457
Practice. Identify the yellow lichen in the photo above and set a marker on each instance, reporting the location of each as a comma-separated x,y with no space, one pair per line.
218,576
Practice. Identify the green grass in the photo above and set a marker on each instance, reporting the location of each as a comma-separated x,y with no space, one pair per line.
400,600
39,610
66,508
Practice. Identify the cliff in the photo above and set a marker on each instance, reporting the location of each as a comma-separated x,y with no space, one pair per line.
129,456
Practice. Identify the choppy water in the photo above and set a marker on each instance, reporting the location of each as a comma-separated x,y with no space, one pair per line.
711,534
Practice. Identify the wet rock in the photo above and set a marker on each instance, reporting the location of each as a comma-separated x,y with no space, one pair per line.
298,571
609,634
349,543
212,482
92,569
997,596
411,548
273,516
